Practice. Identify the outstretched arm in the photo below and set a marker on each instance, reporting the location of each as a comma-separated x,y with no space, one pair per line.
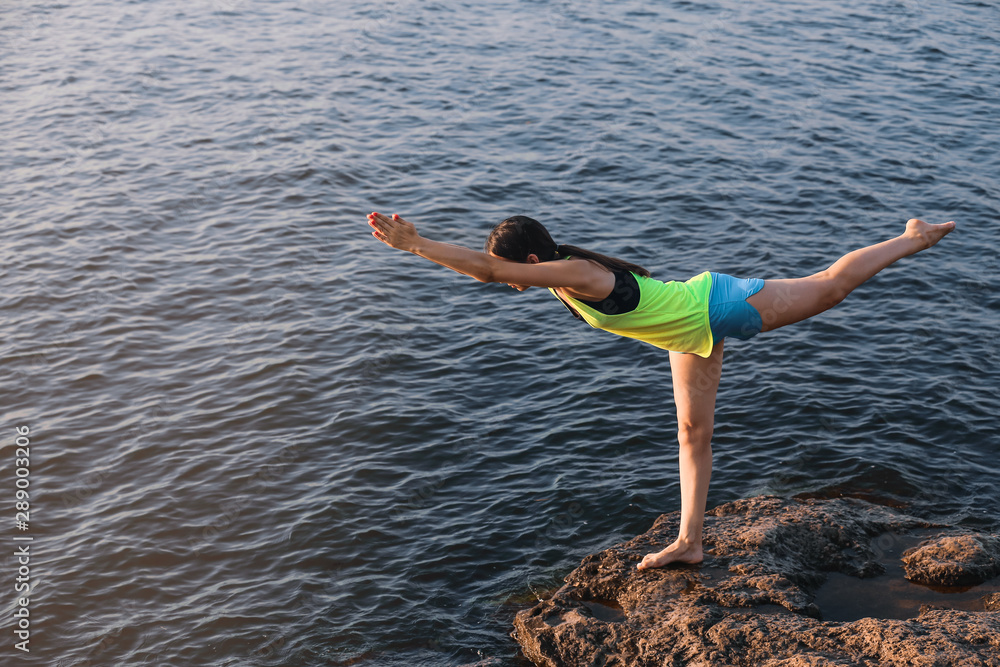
580,276
402,235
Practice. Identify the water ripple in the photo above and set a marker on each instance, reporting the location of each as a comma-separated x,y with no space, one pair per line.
260,437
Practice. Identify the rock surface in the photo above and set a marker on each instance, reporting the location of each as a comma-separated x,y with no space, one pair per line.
752,601
954,560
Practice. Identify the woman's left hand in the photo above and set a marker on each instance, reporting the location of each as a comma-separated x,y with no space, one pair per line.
394,232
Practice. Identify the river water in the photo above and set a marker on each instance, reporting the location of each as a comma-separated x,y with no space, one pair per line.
260,437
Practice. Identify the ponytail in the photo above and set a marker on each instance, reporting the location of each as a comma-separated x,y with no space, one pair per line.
612,263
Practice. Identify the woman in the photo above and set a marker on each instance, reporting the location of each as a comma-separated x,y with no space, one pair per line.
689,319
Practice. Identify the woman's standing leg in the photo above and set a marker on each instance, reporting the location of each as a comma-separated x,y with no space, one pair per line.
783,302
696,381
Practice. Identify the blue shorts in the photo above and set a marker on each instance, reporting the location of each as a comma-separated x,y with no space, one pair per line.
728,312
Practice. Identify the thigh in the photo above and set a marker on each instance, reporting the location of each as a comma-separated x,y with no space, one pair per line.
696,382
786,301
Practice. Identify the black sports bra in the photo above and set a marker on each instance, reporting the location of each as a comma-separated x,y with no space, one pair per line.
624,298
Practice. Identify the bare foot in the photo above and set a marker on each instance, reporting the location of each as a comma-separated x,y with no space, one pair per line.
926,234
678,552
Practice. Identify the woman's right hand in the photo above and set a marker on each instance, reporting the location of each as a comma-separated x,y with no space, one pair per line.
394,232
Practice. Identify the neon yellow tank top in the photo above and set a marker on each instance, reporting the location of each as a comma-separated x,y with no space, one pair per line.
671,315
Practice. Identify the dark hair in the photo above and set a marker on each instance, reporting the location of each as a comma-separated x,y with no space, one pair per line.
519,236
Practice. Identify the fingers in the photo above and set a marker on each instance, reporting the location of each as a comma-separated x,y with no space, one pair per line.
382,222
385,228
379,223
389,220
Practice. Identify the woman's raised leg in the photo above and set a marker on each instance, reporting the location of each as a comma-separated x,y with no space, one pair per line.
782,302
696,381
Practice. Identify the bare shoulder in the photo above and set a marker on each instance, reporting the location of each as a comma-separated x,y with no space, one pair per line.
598,281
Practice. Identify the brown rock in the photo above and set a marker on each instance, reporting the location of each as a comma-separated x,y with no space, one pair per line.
954,560
751,603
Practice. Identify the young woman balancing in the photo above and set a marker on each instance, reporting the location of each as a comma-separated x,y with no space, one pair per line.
689,319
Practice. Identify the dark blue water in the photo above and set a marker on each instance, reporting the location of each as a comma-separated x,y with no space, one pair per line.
261,437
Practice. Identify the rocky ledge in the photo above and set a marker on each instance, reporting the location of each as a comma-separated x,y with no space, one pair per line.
777,575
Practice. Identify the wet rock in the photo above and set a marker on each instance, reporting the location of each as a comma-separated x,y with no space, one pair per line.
954,560
752,601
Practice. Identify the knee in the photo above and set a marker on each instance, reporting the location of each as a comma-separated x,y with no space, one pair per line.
694,435
834,291
836,295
